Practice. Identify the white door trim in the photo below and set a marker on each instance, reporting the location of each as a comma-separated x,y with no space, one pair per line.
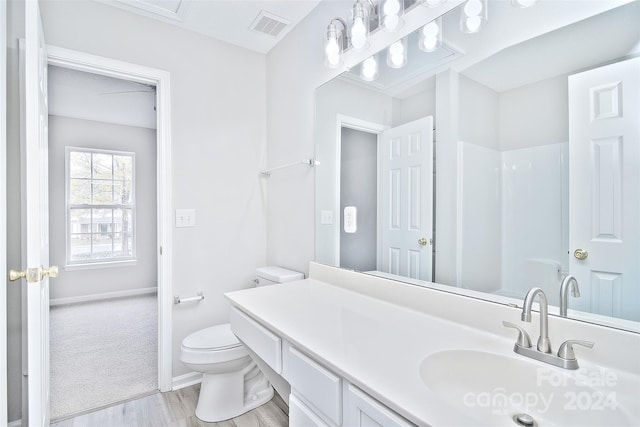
161,79
3,213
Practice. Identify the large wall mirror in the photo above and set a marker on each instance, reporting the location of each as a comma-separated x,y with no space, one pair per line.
505,160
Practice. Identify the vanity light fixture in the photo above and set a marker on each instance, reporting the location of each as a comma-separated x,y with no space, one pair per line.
473,15
521,4
369,69
433,3
430,36
334,43
397,54
390,14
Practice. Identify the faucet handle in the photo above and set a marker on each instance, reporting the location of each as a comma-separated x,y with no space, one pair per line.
566,349
523,337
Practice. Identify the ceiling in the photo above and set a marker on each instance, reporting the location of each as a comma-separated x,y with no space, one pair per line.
257,25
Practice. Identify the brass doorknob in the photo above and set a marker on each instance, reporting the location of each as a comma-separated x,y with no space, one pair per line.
17,275
51,271
581,254
424,241
33,274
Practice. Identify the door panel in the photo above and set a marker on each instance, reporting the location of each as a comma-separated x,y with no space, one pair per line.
407,198
604,187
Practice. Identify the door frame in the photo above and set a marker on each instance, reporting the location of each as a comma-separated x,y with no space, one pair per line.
362,126
80,61
3,213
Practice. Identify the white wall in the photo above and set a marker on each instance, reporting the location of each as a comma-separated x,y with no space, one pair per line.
218,135
295,69
535,114
335,98
63,132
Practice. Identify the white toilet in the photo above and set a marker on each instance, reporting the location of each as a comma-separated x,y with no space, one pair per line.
232,384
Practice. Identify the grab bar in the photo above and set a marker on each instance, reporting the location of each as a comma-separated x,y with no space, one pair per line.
178,300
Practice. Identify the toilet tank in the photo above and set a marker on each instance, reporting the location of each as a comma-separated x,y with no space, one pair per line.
272,274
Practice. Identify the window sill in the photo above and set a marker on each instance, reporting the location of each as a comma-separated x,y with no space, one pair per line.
98,265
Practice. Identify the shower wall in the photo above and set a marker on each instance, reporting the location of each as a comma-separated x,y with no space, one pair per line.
513,218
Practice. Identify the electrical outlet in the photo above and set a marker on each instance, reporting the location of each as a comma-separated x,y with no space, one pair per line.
185,218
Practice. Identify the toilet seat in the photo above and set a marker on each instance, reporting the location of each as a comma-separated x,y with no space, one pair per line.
218,337
215,344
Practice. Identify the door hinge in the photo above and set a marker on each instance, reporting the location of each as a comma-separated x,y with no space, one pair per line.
160,250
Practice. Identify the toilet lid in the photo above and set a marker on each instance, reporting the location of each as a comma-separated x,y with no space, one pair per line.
217,337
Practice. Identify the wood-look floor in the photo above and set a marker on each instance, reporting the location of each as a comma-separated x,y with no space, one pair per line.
176,409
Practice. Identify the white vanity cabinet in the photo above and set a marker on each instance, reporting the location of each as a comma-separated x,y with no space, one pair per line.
319,397
323,399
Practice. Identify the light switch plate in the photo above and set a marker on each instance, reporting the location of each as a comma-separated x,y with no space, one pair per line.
326,217
185,218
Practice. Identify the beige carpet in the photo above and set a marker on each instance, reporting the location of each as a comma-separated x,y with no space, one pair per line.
102,352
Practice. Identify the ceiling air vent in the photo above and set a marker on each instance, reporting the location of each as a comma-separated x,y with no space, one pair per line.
268,23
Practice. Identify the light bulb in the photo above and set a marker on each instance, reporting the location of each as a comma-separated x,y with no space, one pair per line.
391,7
332,47
397,60
396,48
473,24
391,22
332,52
358,34
369,69
473,8
430,42
431,29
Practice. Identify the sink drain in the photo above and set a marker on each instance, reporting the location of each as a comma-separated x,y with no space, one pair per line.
525,420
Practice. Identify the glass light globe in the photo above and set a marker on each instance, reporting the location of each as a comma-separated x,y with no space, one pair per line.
396,48
391,7
473,8
431,29
391,22
430,42
473,23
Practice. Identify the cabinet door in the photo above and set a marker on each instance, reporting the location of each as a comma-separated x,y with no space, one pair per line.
316,384
363,411
258,338
301,416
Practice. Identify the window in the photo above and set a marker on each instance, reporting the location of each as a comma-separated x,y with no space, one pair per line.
100,206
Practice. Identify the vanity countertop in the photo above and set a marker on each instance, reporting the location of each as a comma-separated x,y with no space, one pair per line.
374,344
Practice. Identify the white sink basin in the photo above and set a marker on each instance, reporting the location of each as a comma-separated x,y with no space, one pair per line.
492,389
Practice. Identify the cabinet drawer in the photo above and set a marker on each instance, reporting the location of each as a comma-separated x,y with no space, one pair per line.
301,416
319,386
362,410
258,338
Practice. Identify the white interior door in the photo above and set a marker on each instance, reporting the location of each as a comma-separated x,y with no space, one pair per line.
604,188
35,226
407,197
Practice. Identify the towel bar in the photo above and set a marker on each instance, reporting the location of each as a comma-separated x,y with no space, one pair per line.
178,300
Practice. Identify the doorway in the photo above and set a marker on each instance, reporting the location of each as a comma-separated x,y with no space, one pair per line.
102,214
146,78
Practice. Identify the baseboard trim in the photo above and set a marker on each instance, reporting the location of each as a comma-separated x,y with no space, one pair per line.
103,296
16,423
186,380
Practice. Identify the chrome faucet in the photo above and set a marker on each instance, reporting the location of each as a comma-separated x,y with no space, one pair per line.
566,357
544,344
569,282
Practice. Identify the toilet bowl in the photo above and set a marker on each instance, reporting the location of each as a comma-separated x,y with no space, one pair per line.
232,383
